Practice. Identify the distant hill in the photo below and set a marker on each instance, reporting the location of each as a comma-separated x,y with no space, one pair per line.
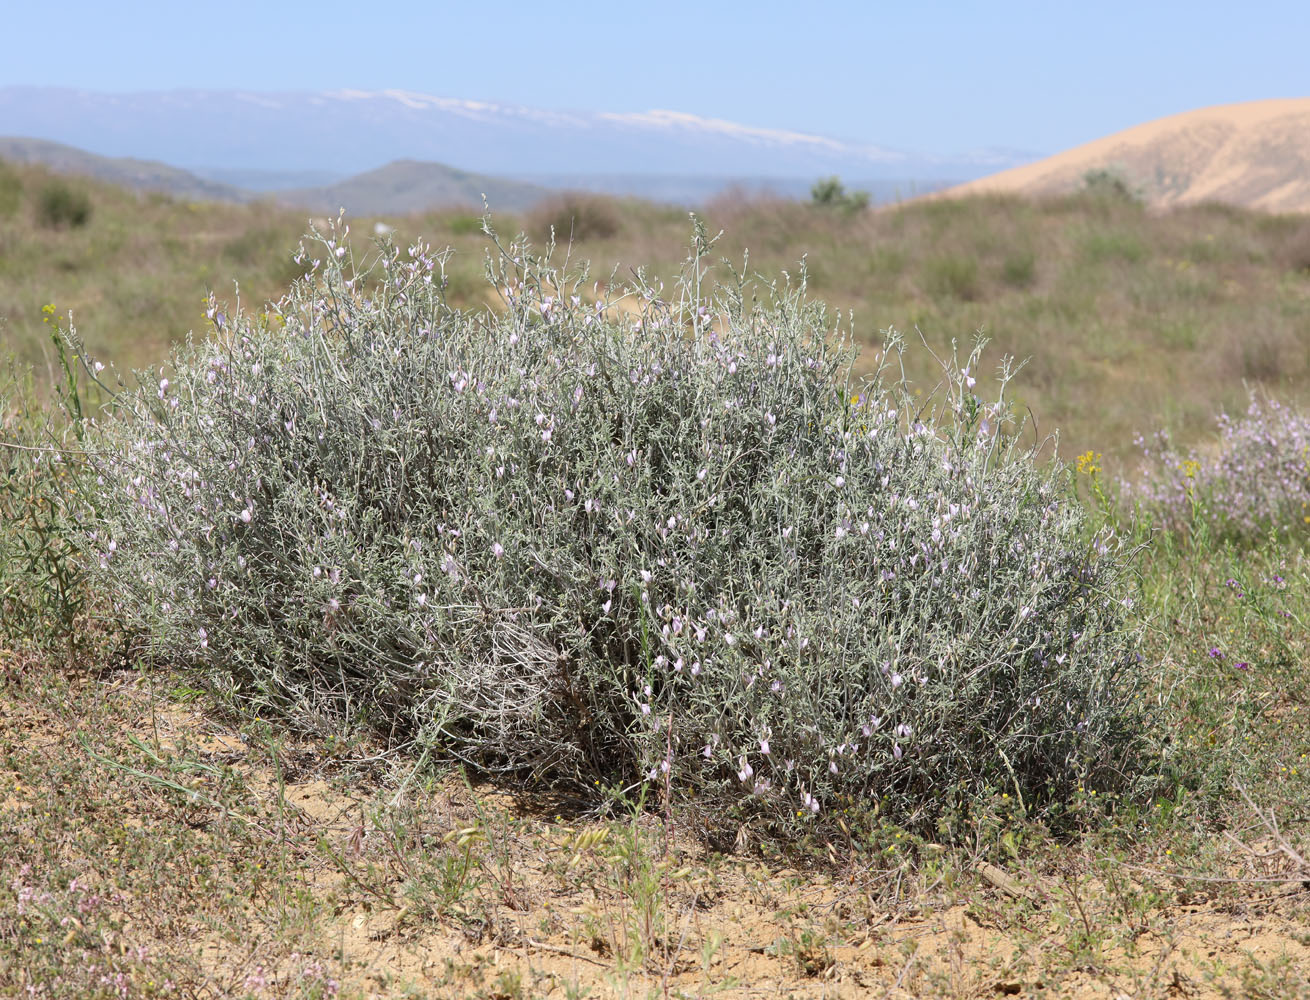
141,175
1256,155
407,186
399,188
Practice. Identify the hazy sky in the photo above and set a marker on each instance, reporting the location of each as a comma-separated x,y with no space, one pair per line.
936,77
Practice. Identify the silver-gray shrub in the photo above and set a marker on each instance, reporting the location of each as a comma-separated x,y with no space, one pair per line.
1249,483
640,541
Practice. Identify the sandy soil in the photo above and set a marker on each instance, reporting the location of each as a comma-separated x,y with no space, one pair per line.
741,927
571,906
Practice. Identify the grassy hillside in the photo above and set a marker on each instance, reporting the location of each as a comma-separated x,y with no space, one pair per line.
134,273
1129,318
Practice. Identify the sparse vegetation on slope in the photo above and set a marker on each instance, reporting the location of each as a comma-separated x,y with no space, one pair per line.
135,272
1131,320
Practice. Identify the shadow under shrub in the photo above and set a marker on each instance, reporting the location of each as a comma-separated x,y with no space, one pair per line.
587,543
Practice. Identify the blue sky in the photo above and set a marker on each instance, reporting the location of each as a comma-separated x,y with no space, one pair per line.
936,77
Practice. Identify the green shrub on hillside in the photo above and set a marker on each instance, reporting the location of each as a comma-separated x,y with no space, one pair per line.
1019,269
61,206
952,276
574,216
1109,184
831,193
667,544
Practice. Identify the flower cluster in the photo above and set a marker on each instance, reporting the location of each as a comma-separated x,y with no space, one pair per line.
1255,479
78,929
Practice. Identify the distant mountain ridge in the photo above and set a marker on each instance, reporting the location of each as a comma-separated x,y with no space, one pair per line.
406,186
395,189
349,131
141,175
1255,154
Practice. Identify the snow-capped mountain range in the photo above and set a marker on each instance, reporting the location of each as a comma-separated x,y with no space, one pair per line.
347,131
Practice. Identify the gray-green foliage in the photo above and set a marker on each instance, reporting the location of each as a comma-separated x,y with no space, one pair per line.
660,542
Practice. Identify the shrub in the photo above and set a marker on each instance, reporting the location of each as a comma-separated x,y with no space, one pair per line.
1109,184
1253,481
831,193
60,206
1019,269
463,223
954,276
589,544
573,217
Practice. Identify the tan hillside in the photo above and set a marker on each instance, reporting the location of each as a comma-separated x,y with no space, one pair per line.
1256,155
